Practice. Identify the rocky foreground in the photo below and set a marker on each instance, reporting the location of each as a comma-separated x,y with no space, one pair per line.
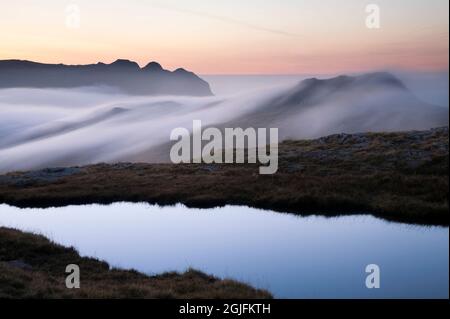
397,176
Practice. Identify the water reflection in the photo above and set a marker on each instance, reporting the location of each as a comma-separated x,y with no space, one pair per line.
293,257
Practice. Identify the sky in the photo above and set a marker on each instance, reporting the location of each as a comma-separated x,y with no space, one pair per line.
230,36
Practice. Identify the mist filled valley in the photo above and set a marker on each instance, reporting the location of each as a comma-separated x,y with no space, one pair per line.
45,127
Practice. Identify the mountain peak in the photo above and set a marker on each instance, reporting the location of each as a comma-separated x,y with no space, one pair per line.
181,71
368,80
381,78
124,63
153,66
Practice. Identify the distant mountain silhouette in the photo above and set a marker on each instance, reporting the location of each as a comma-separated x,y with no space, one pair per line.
314,91
122,74
369,102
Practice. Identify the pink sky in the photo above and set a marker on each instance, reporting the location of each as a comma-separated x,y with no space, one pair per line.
231,37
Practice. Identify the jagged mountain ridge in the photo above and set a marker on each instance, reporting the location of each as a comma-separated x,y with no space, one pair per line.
122,74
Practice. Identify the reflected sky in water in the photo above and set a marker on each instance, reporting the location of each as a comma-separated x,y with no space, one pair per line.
293,257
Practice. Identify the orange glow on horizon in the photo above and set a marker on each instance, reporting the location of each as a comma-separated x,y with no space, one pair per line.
215,38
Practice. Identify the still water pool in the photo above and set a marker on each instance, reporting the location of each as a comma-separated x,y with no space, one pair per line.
291,256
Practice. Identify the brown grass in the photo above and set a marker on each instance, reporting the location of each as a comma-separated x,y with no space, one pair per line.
397,176
44,275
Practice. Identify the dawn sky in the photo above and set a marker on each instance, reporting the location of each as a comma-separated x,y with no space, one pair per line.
232,36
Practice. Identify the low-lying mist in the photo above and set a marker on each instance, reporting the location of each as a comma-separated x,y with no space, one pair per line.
65,127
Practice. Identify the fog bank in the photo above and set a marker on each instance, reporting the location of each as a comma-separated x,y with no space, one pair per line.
66,127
